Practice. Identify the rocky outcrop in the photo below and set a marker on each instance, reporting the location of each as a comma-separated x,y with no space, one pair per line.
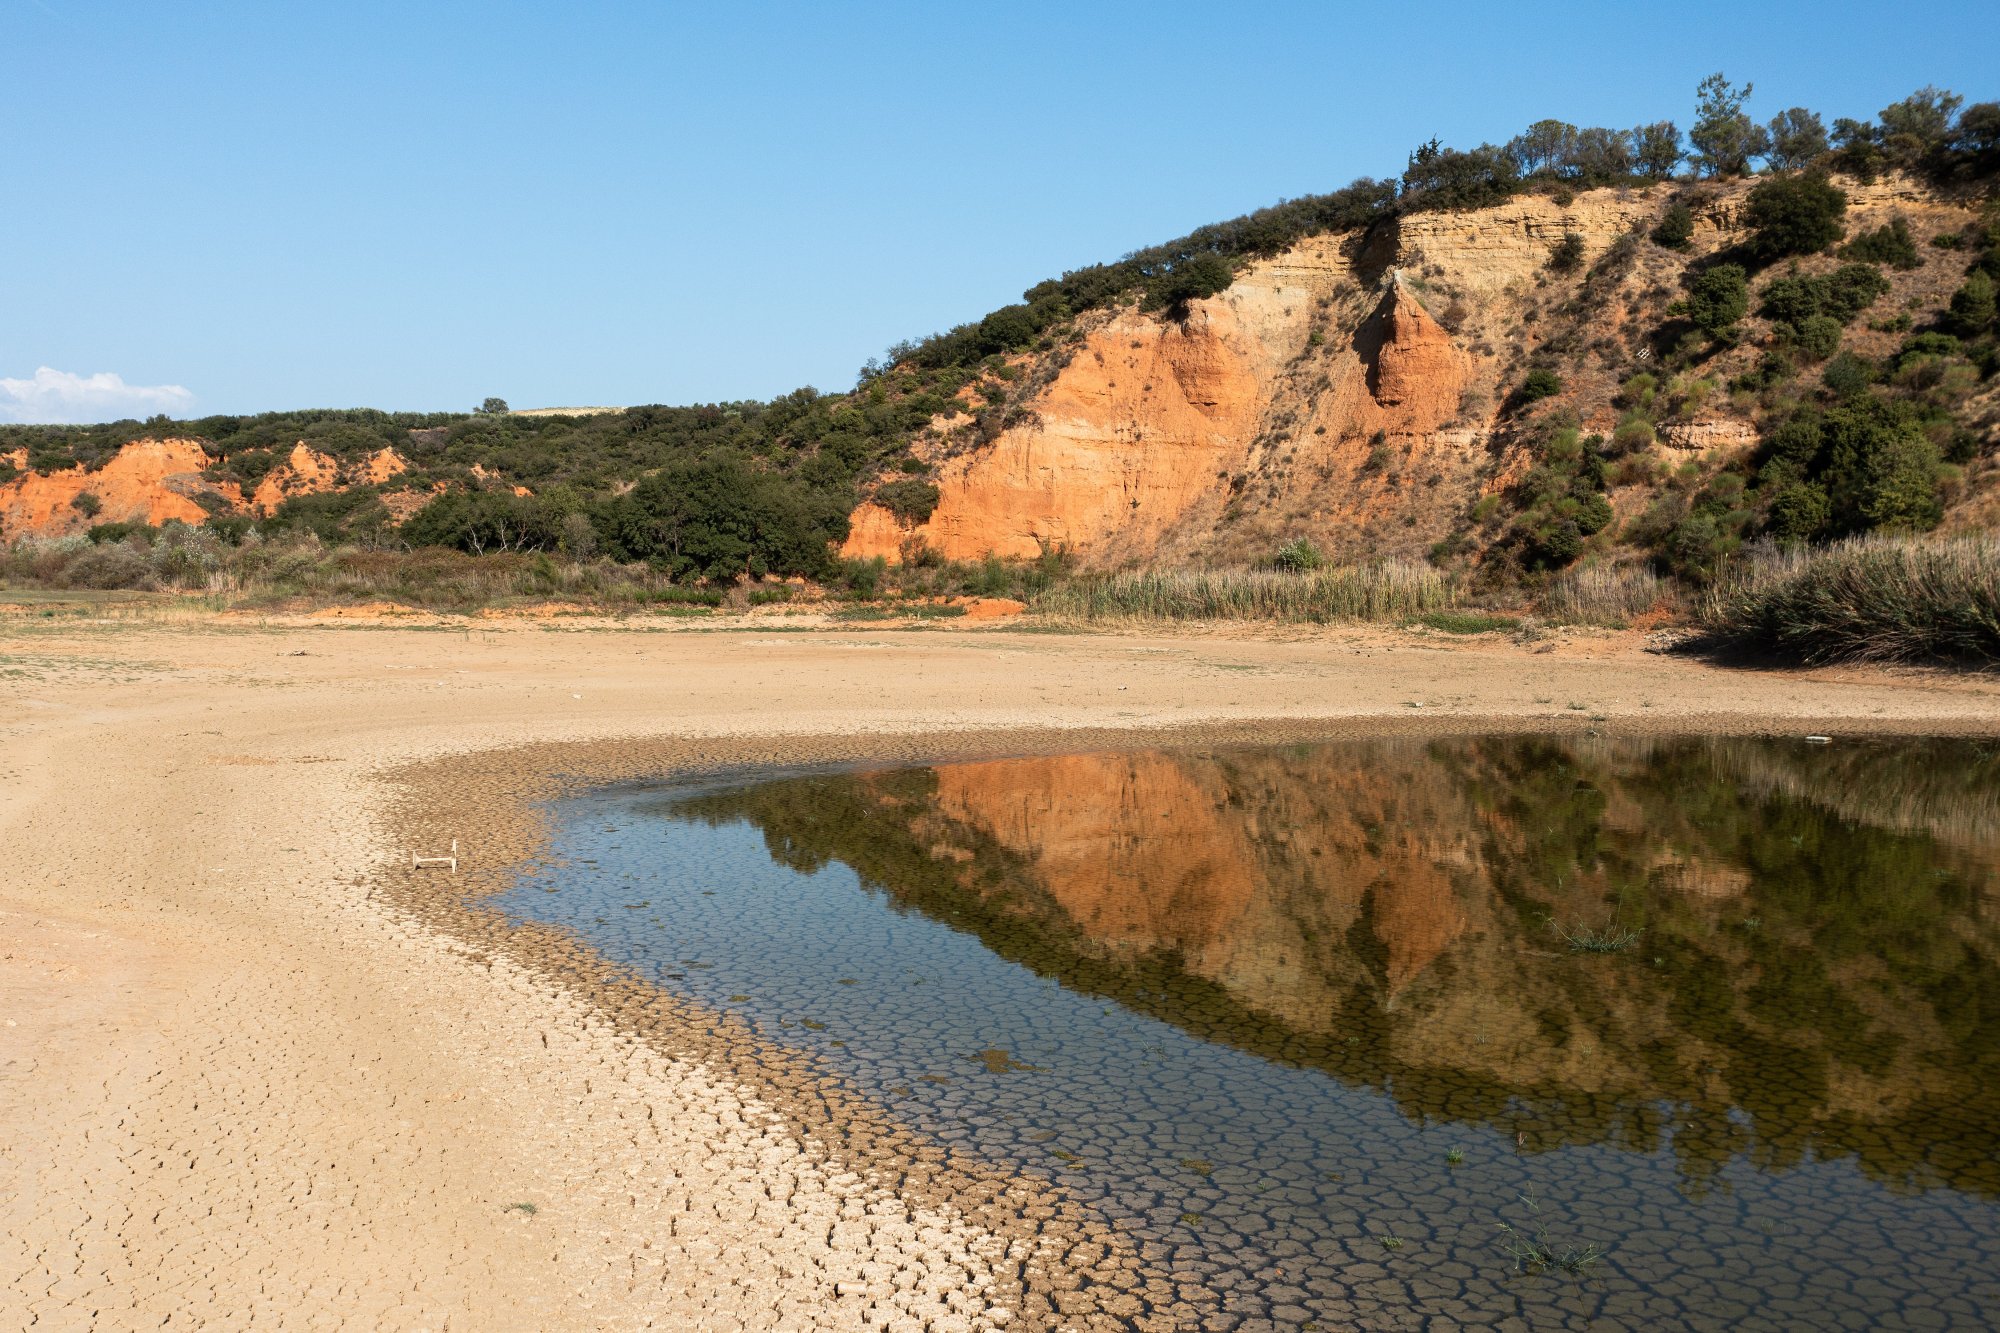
1416,367
161,481
147,481
1706,436
1486,251
305,471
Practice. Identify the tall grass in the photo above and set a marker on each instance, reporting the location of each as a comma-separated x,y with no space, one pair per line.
1386,591
1603,594
1868,599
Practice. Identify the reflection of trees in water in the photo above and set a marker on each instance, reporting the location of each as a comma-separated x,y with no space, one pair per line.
1811,978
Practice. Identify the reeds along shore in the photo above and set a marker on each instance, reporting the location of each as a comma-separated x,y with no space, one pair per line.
1388,591
1870,599
1890,599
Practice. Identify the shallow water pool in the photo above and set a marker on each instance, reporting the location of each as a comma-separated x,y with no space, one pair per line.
1550,1033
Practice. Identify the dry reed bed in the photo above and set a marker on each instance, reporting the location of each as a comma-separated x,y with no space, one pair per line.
1868,599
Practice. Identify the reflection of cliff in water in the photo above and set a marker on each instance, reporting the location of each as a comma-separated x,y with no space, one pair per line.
1385,912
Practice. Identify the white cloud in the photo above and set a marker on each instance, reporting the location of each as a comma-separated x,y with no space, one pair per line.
59,397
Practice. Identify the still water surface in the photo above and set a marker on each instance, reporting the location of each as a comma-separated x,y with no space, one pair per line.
1310,1022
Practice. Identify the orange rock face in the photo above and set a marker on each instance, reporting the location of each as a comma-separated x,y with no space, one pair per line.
148,481
1128,435
1417,368
384,464
305,471
1144,442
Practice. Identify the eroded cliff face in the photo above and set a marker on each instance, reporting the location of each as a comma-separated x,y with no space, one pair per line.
161,481
1276,402
1352,390
149,481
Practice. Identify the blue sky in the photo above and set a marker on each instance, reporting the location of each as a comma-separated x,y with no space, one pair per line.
417,205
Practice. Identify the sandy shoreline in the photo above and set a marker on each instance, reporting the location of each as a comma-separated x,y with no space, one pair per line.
255,1069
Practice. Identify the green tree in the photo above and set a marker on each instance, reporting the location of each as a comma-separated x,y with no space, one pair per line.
1724,136
1599,157
1915,130
1544,146
1445,178
494,407
722,515
1879,468
1798,511
1977,138
1798,137
1855,150
1717,298
1656,149
1795,215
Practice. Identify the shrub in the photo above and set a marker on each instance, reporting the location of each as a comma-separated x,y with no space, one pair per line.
111,566
1870,458
1446,178
721,516
1200,277
1538,384
1851,289
85,503
1717,298
1795,215
1847,375
1798,511
1676,227
1567,254
1818,337
1888,244
1561,501
1840,295
911,500
1867,599
1298,556
1633,434
1972,306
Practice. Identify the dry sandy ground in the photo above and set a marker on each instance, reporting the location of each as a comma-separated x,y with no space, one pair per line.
239,1089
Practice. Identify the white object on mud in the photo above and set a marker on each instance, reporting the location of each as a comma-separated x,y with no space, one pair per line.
452,860
1819,740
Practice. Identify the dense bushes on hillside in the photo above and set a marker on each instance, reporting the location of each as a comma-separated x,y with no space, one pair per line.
1924,132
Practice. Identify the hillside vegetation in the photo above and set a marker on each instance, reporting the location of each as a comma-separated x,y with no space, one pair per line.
1582,348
